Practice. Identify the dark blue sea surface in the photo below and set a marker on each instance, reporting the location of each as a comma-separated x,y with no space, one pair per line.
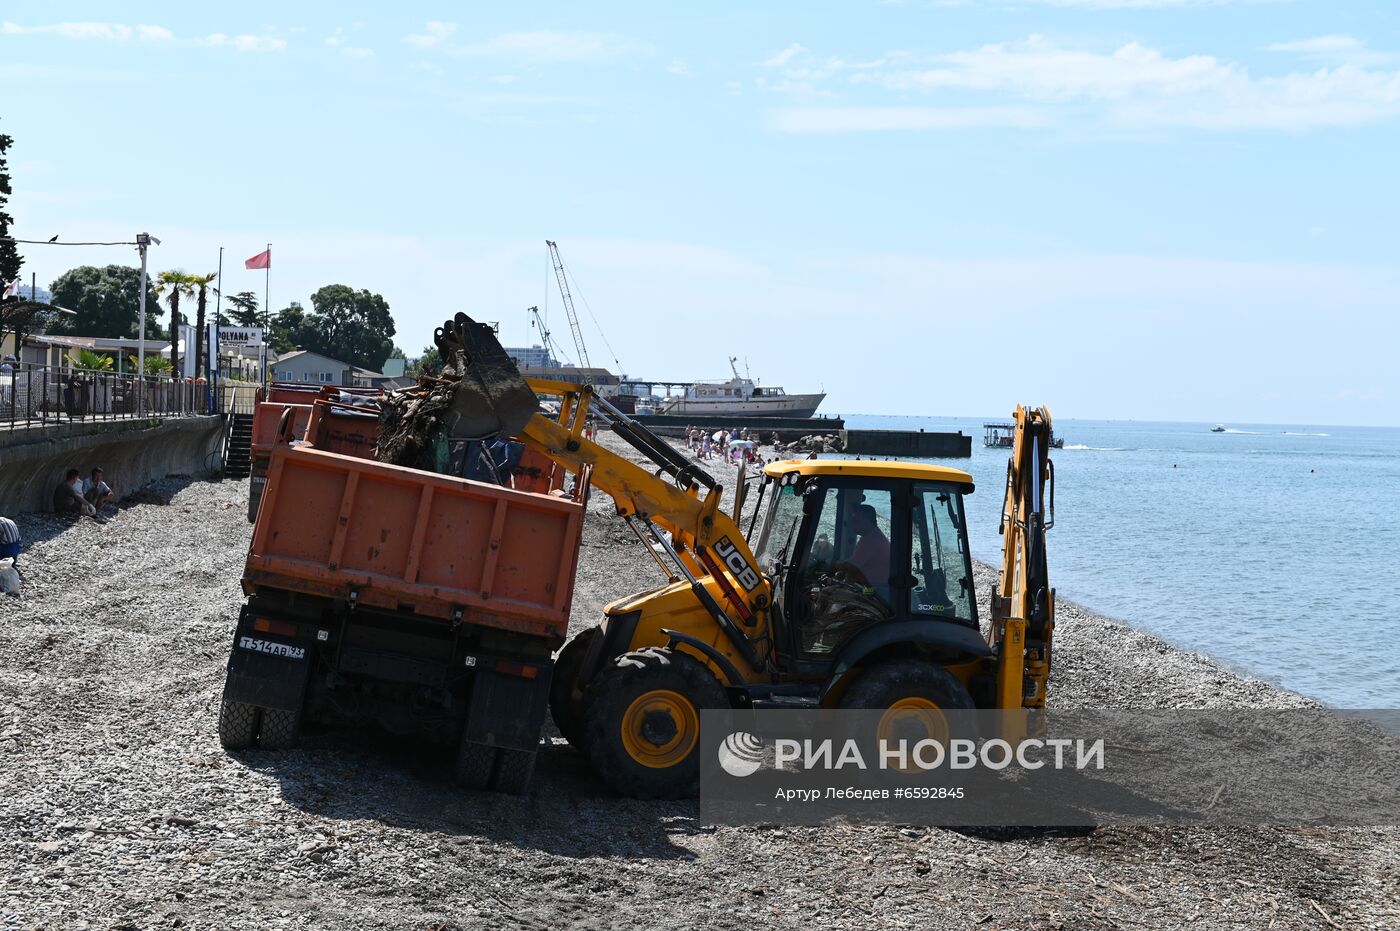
1275,548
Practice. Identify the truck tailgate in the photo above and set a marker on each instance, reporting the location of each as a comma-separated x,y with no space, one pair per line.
402,539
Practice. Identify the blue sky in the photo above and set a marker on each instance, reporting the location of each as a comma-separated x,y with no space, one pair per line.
1150,209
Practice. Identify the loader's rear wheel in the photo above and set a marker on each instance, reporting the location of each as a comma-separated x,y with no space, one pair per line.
642,722
238,724
564,707
914,695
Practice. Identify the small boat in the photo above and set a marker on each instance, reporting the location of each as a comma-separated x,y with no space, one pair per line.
1218,428
1001,436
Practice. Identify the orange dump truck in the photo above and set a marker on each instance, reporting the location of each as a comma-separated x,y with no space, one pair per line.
424,603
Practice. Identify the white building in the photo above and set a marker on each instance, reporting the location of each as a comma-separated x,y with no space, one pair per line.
535,357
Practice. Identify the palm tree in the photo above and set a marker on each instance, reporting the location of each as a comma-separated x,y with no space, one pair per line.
201,285
174,285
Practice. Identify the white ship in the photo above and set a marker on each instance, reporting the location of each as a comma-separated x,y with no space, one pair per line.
740,395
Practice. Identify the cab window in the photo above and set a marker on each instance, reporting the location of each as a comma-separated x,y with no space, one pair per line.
845,580
942,570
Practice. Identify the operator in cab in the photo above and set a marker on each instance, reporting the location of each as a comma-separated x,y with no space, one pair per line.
872,551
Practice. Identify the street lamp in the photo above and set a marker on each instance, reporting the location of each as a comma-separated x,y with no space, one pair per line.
143,240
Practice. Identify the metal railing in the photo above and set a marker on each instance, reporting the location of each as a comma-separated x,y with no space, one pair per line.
42,395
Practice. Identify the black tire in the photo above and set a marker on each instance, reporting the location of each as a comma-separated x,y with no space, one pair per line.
616,713
475,763
278,730
514,769
882,685
238,724
564,707
255,493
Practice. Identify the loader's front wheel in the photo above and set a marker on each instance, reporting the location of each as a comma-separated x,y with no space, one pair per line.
565,691
642,722
914,694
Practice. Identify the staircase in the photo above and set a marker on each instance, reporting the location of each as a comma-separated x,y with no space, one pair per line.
238,446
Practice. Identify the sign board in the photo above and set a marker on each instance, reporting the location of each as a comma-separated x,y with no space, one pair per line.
235,337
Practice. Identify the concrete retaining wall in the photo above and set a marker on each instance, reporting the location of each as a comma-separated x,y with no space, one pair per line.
131,453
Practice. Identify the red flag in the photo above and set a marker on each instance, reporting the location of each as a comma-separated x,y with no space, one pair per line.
261,260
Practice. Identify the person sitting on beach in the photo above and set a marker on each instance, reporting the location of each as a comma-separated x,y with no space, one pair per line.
96,491
68,497
9,540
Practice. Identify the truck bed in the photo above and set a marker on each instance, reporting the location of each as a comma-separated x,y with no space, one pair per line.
367,533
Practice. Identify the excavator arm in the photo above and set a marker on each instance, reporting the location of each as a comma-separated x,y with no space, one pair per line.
701,541
1023,606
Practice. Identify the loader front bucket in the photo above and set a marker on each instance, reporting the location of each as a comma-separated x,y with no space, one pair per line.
492,397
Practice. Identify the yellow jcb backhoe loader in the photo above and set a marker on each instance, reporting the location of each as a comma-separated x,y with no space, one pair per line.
851,588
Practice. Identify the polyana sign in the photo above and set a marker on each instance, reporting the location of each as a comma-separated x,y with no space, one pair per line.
241,336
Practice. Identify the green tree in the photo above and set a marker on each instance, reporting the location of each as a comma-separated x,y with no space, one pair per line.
106,301
10,261
349,325
155,365
201,284
244,311
429,363
288,329
173,285
95,361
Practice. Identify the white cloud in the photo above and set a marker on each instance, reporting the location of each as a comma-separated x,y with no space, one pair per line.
680,69
109,31
245,43
351,51
1142,4
434,33
554,46
1323,44
503,79
877,119
786,55
1132,86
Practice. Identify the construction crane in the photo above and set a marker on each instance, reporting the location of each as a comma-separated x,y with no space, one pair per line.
545,336
569,307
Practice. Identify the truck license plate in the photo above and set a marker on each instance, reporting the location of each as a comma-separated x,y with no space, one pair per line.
272,649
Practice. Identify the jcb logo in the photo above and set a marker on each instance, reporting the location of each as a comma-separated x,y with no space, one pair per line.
734,559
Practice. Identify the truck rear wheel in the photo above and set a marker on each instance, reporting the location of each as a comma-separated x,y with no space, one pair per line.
564,707
238,724
642,722
475,762
278,730
514,769
480,766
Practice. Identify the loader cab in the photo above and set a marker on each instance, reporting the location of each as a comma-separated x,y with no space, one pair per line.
852,545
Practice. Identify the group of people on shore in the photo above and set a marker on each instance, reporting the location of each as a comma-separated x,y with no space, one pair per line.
76,496
733,446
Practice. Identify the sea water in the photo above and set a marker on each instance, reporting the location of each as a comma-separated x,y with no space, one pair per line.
1275,548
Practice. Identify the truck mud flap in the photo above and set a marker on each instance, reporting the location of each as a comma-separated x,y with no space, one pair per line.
508,710
267,672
